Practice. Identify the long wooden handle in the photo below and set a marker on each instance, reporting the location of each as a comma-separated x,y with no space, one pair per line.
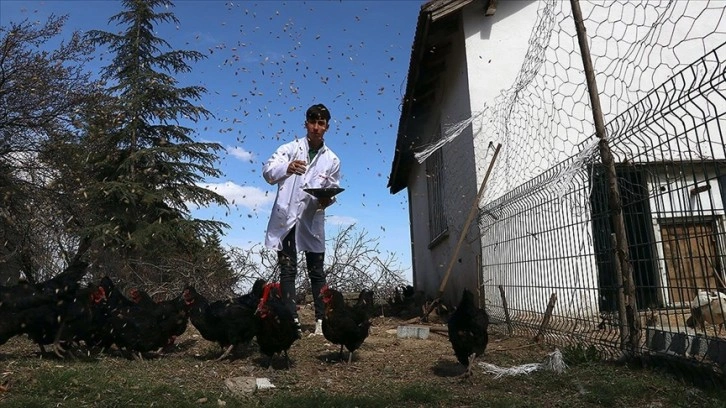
472,214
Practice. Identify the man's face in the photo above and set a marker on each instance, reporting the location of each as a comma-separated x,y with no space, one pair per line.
316,129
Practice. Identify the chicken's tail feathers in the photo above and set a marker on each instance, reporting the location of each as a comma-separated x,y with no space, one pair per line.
75,270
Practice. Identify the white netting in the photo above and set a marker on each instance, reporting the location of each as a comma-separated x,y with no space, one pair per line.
544,116
544,217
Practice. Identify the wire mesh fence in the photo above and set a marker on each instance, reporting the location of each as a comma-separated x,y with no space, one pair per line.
550,260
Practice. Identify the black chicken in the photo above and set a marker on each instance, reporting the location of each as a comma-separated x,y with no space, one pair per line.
468,331
141,297
172,315
252,299
343,324
132,328
111,303
9,326
366,302
82,317
58,288
67,282
228,322
405,302
276,325
22,296
136,332
42,324
38,310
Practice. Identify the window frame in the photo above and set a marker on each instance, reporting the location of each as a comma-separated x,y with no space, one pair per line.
438,227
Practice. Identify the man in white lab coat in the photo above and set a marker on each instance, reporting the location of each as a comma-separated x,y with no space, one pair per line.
297,221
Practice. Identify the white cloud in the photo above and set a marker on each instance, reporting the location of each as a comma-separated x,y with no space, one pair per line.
252,198
341,220
240,153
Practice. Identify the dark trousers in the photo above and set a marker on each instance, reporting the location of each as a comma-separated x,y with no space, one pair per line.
287,259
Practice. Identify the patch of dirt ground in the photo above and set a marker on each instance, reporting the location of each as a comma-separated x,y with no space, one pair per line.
383,361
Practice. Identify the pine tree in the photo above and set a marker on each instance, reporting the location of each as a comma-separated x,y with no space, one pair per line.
146,165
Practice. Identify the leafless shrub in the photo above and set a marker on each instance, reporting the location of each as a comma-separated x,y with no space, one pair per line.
251,264
353,262
164,276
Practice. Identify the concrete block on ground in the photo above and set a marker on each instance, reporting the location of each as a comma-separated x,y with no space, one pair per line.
413,332
700,345
680,343
686,344
656,339
241,386
717,351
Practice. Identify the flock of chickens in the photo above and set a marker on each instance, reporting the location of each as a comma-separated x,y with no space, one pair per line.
61,312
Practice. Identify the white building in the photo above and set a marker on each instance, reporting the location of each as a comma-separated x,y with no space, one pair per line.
486,72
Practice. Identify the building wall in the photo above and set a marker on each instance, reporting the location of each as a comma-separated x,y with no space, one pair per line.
424,273
494,56
460,188
482,68
495,50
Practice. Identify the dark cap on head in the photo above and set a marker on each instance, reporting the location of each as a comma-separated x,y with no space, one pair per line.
317,112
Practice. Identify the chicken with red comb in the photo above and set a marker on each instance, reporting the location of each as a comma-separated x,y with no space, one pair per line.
277,328
342,324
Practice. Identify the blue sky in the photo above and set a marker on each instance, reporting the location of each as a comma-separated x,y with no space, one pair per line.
268,61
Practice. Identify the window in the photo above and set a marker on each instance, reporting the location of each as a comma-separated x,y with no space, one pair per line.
438,229
638,220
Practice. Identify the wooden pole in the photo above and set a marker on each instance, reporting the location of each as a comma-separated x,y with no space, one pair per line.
547,316
622,312
472,214
506,310
615,202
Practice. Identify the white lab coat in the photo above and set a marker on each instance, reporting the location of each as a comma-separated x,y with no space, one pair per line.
293,206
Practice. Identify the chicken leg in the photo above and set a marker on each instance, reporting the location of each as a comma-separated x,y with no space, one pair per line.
226,352
468,372
58,349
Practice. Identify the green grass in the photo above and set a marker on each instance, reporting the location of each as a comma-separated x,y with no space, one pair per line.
138,384
409,395
191,381
89,384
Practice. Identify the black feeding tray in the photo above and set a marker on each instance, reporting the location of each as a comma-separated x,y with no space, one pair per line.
327,192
